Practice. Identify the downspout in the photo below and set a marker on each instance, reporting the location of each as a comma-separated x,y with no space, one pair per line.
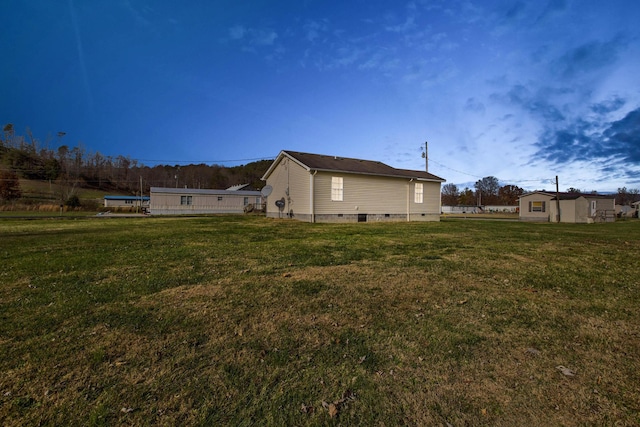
311,196
409,200
439,201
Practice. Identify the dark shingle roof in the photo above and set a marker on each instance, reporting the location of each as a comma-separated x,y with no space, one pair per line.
569,196
366,167
573,196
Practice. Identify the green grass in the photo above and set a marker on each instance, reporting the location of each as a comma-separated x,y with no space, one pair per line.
233,320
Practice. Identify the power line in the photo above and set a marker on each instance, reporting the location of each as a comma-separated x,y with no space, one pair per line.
455,170
502,180
196,162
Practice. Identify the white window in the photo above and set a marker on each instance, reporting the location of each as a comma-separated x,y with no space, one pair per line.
185,200
537,206
418,193
336,188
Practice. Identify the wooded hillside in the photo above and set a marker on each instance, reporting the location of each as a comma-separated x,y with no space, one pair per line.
72,168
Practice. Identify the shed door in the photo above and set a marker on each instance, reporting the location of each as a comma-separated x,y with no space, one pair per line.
593,208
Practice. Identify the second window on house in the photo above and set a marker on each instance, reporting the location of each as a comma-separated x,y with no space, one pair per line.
418,193
336,188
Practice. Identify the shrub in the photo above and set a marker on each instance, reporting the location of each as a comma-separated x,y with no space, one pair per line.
73,201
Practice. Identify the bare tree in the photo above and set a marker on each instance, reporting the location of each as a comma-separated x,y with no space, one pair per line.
626,197
450,195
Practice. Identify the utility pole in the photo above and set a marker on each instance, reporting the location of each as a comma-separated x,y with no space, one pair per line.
425,155
140,199
557,201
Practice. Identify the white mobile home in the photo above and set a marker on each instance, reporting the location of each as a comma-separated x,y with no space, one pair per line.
176,201
126,201
319,188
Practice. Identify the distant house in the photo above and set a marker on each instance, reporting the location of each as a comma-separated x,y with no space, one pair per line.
176,201
126,201
319,188
475,209
574,207
534,206
462,209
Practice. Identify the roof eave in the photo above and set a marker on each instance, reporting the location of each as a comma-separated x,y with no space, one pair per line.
378,174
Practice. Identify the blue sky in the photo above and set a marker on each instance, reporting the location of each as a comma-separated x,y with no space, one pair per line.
520,90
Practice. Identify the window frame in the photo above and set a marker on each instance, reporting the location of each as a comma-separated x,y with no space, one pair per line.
537,206
418,195
186,200
337,189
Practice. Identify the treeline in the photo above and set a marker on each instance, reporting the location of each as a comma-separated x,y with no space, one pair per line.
25,157
488,191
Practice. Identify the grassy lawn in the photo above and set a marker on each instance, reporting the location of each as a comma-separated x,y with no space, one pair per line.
233,320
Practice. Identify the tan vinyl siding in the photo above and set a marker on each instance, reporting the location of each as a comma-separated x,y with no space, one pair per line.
570,211
605,204
525,203
289,174
579,210
373,195
431,197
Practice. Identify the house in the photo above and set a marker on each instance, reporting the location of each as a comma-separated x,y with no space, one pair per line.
534,206
176,201
625,211
126,201
574,207
319,188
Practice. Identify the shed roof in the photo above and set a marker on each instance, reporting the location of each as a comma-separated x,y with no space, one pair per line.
569,196
320,162
111,197
574,196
